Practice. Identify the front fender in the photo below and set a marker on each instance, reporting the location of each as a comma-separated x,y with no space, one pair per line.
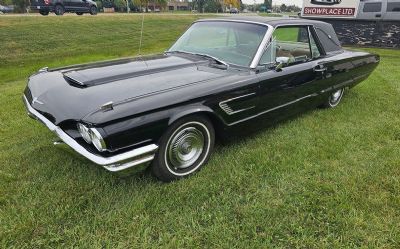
151,126
188,110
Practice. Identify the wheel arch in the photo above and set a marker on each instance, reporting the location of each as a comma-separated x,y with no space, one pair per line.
216,121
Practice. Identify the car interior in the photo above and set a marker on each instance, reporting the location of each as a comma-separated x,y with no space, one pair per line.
235,45
238,45
291,43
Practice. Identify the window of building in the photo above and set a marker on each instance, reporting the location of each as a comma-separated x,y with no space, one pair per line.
372,7
393,7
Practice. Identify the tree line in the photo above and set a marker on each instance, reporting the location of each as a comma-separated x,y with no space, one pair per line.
210,6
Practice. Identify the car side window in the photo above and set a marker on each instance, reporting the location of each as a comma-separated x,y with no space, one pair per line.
393,6
372,7
290,44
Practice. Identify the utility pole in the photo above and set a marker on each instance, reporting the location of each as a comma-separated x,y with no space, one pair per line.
127,7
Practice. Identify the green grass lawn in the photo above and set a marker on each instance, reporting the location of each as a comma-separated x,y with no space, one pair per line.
270,14
327,179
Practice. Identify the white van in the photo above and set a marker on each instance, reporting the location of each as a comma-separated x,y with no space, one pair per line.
379,10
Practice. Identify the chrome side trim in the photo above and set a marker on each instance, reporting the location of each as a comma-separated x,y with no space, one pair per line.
231,20
273,109
226,108
115,163
43,70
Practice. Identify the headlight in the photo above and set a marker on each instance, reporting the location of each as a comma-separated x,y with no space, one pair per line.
97,139
84,131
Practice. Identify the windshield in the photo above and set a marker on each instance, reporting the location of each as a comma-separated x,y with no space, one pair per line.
232,42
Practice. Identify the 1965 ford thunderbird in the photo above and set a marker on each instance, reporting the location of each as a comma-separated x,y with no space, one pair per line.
165,110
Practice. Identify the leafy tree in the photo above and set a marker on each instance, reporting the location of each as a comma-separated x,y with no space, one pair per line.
162,3
6,2
20,5
108,4
120,5
199,5
141,4
268,4
232,3
283,8
212,6
99,4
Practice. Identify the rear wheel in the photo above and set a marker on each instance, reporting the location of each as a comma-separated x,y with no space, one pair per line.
184,148
93,10
44,13
59,10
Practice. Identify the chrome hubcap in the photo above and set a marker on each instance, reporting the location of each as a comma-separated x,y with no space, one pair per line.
335,97
185,147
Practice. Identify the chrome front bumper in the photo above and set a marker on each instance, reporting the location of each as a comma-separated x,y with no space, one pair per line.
135,158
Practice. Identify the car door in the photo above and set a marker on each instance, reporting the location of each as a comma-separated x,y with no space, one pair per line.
83,5
300,78
69,5
77,5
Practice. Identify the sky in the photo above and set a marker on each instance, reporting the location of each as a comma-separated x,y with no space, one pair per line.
278,2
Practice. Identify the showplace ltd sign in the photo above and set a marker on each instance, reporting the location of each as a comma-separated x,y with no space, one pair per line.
330,8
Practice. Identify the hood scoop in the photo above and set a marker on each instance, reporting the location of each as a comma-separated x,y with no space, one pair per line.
103,75
74,80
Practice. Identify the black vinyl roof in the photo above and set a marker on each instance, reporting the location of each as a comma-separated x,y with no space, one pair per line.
325,31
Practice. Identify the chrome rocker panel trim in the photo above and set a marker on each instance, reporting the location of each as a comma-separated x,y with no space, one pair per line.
137,157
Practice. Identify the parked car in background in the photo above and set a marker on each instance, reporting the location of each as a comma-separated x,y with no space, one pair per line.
59,7
219,78
234,11
6,9
379,10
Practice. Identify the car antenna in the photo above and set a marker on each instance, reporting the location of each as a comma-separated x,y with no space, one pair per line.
140,41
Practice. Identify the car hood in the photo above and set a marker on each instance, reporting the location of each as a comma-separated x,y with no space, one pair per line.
76,92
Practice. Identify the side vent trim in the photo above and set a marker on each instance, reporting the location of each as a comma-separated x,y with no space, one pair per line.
228,109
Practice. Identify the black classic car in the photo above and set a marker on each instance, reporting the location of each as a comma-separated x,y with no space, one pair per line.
59,7
220,76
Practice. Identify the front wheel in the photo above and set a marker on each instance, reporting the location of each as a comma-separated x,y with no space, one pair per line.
334,99
59,10
184,148
93,10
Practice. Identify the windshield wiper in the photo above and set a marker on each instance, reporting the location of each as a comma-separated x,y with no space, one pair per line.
219,61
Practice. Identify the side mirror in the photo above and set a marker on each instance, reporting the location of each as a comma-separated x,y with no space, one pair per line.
281,62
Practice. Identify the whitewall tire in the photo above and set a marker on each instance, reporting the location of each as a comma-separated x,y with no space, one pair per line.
184,149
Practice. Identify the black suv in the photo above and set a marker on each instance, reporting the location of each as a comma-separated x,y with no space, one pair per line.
59,7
